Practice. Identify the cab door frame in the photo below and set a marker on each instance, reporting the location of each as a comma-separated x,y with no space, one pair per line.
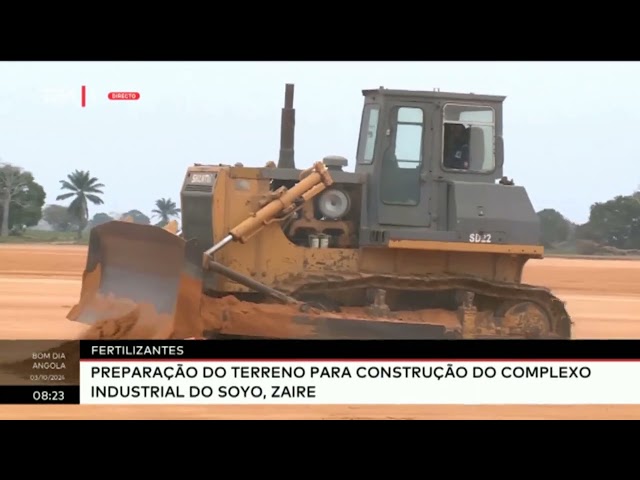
404,164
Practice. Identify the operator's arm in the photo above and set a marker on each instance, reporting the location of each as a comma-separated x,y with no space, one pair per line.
458,159
465,159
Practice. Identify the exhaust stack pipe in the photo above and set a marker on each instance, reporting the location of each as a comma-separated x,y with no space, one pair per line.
287,130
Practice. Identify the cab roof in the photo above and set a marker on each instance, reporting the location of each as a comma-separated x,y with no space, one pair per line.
434,94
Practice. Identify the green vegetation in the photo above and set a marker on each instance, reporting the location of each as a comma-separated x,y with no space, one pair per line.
613,229
83,189
21,200
30,235
165,209
22,207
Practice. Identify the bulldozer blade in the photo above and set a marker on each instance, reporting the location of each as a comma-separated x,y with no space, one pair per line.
140,266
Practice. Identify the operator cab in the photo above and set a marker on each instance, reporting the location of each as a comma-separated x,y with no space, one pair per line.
410,141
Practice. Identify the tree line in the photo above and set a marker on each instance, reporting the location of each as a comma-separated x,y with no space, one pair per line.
613,227
22,203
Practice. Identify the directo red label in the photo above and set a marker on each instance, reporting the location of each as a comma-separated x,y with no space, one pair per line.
124,96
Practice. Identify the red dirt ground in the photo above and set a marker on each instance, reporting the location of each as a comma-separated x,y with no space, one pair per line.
40,283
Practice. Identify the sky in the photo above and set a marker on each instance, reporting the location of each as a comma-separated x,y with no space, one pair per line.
565,123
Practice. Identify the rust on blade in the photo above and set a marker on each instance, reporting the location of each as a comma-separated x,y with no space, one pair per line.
133,282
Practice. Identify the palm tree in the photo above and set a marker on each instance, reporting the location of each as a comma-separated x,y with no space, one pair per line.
84,188
165,209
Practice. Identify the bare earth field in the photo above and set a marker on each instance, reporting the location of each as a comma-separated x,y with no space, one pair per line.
39,283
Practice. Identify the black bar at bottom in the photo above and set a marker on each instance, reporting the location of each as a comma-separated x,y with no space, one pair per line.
180,350
34,395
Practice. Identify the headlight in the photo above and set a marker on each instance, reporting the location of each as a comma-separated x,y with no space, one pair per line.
334,204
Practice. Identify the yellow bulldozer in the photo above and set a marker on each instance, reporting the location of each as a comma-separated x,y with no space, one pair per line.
425,239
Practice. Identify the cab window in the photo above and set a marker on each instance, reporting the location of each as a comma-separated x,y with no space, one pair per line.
408,147
400,182
368,134
469,138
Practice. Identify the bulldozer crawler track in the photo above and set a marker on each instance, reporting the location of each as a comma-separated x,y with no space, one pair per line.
560,322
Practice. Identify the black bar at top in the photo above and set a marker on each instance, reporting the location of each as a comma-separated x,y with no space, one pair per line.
39,395
361,349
